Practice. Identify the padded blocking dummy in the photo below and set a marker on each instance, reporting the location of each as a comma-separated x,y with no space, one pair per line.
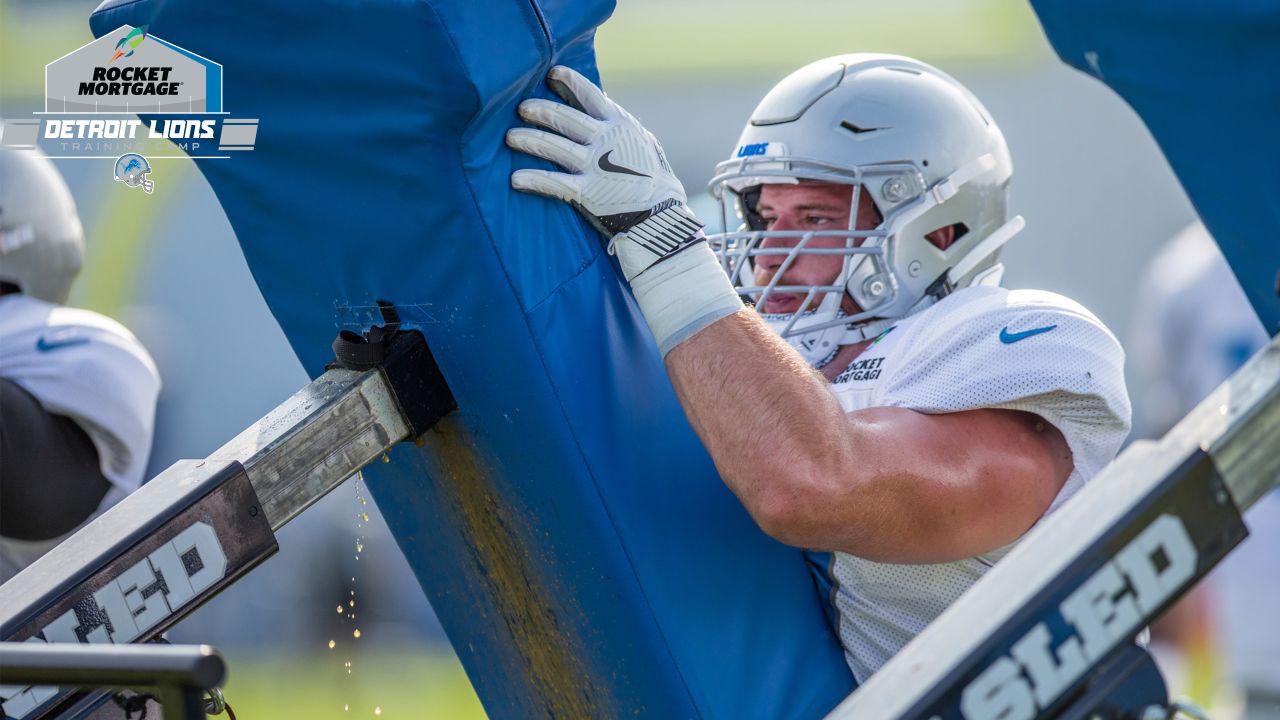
565,522
1202,75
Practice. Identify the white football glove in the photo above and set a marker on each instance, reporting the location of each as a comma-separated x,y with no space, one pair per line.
620,180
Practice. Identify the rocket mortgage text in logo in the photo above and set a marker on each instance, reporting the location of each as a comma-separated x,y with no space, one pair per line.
95,94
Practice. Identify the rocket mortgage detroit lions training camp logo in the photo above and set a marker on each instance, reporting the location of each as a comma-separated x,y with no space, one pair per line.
134,98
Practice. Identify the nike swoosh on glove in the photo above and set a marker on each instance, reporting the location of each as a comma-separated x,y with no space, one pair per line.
617,175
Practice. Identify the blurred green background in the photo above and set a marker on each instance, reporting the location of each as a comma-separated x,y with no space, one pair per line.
1096,192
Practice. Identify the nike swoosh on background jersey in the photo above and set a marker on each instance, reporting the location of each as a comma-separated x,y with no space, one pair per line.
1009,338
608,166
46,345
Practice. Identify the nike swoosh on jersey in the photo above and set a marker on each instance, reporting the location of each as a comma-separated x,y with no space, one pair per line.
46,345
1009,338
608,166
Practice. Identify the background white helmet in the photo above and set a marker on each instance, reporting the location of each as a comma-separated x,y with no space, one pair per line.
927,152
41,241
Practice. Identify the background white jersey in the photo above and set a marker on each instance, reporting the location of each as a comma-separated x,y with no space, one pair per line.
980,347
1192,327
91,369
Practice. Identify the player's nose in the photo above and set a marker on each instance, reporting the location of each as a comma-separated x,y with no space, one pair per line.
772,261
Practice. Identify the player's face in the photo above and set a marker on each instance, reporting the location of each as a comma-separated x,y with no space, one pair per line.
807,206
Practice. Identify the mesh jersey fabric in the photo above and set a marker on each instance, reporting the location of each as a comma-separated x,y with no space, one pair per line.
981,347
91,369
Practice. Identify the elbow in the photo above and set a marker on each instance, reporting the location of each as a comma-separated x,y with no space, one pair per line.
791,506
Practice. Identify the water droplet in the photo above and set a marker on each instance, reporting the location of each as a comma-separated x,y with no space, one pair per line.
339,609
356,633
346,708
377,711
353,602
385,459
331,644
359,547
364,516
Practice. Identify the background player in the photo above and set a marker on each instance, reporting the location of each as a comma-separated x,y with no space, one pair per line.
1192,328
77,390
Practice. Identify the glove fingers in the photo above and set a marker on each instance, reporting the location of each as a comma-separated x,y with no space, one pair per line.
546,183
580,92
573,124
548,146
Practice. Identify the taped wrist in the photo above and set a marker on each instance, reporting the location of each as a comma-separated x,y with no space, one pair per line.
655,236
683,293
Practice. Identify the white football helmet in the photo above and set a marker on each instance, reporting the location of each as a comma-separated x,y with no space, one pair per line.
41,241
928,154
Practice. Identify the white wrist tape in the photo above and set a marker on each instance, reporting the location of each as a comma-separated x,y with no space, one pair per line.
683,294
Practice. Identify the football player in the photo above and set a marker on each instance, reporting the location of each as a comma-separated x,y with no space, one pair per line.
885,399
77,390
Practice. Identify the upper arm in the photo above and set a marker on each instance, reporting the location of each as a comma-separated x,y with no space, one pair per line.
956,484
970,439
50,480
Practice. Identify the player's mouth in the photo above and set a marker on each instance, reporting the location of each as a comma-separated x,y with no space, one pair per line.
776,303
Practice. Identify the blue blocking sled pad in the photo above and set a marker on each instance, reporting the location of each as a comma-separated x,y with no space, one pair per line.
565,522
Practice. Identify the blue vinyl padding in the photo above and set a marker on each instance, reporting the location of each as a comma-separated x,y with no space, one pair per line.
566,523
1203,76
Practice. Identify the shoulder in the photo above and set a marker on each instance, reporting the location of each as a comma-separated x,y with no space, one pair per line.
984,347
46,346
996,322
88,336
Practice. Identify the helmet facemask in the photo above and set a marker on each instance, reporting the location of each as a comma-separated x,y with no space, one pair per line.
866,295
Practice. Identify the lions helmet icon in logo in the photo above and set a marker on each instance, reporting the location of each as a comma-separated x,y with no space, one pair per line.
132,169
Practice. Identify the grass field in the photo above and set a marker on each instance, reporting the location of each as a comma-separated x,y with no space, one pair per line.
386,686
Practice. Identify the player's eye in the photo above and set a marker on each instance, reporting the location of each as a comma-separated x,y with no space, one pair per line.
817,220
768,221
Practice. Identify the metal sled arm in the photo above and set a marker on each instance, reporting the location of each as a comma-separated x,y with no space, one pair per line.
1027,636
202,524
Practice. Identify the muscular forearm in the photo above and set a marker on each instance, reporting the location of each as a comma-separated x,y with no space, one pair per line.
776,433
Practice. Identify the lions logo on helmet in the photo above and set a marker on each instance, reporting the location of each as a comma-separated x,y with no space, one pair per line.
918,145
132,169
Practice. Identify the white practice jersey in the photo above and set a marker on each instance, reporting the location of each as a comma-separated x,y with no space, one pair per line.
1192,327
89,368
980,347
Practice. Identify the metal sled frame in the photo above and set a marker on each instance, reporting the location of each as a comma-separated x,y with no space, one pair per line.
200,525
1029,639
1031,635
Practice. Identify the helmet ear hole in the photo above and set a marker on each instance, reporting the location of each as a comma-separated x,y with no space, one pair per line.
749,199
947,235
8,288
